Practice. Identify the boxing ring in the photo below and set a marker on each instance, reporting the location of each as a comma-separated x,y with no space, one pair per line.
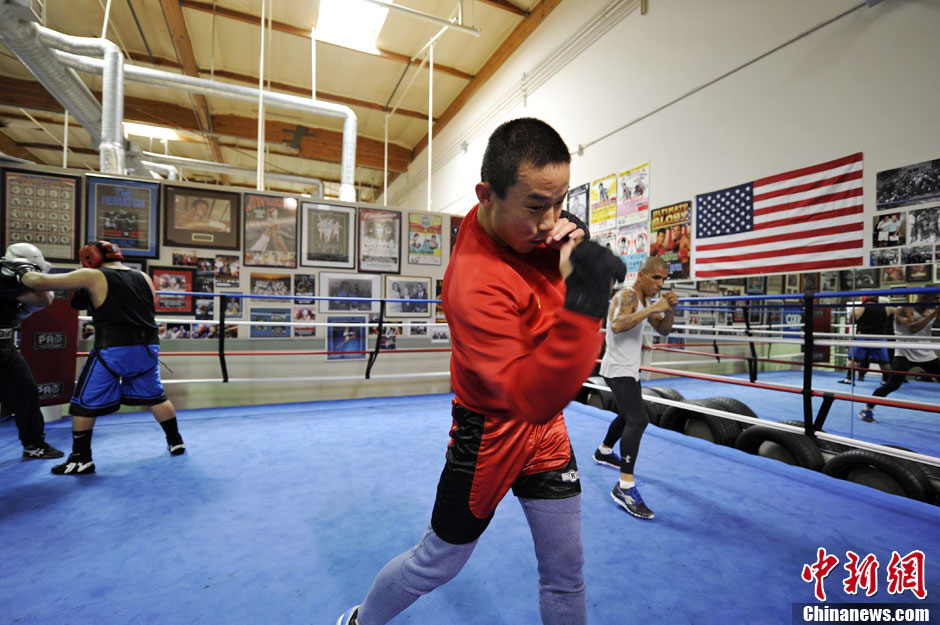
277,513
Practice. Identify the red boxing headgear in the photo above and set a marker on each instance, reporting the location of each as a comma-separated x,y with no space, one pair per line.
98,253
869,299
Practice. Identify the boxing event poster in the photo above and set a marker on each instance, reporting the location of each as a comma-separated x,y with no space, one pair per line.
180,279
578,202
305,313
42,209
379,240
669,230
270,231
604,203
633,192
633,244
227,269
424,239
124,212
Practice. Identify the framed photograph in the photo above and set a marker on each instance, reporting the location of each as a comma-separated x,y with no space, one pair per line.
917,255
302,314
400,289
756,285
892,275
379,240
305,284
829,281
329,236
204,308
139,265
924,230
424,239
205,331
177,331
889,230
201,217
269,284
417,328
809,281
919,273
270,231
578,201
346,338
234,306
882,257
42,209
227,269
440,334
859,279
350,285
124,212
181,279
273,316
707,286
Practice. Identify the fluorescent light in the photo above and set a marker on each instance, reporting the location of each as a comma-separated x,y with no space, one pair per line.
151,132
351,23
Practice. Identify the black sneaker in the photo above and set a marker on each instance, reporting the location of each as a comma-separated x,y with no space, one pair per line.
74,466
631,501
349,617
176,446
608,460
42,451
845,381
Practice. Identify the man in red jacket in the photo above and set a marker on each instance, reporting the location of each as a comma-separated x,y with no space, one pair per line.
524,296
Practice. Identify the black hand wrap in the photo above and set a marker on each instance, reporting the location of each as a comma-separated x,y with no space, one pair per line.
580,224
595,269
81,300
17,268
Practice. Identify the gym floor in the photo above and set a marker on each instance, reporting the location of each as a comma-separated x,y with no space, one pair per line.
285,513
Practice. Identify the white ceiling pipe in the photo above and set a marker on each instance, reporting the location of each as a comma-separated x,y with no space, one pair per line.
221,168
427,17
111,145
171,172
159,78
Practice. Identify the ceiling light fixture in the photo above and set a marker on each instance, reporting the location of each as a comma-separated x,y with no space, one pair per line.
351,23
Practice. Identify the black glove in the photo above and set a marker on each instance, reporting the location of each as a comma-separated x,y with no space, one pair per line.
9,287
580,224
17,268
81,300
595,269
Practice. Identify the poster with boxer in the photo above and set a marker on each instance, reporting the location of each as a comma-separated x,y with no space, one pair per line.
633,244
604,203
201,217
424,239
124,212
270,231
346,338
379,240
41,209
633,192
578,202
669,233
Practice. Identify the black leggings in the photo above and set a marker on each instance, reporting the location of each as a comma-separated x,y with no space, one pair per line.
630,422
900,363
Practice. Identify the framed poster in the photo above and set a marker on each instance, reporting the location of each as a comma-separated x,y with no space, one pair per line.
919,273
829,281
578,201
270,231
181,279
403,288
424,239
276,316
859,279
329,236
305,314
227,269
756,285
124,212
304,284
234,306
201,217
41,209
345,285
269,284
346,338
892,275
379,240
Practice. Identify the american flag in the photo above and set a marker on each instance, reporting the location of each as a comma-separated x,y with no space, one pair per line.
803,220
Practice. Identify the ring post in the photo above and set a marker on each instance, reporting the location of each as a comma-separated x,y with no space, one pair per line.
378,339
808,317
223,301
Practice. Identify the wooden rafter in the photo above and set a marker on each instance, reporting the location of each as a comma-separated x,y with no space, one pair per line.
11,147
179,33
515,39
506,6
290,29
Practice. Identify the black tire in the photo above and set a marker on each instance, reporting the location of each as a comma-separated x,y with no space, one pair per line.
796,449
653,410
835,448
886,473
698,424
598,398
730,404
668,393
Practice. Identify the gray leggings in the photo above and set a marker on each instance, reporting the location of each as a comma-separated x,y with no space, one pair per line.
556,531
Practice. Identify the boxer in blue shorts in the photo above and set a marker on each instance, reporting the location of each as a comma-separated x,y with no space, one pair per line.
870,319
123,367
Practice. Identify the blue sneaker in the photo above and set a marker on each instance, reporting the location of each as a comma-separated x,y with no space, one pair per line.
349,617
866,415
631,501
608,460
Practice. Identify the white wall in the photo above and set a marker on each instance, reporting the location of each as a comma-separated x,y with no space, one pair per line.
866,82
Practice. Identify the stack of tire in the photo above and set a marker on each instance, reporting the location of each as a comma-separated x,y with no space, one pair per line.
886,473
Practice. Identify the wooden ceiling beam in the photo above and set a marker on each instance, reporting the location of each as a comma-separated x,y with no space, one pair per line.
317,144
290,29
506,6
11,147
508,47
179,33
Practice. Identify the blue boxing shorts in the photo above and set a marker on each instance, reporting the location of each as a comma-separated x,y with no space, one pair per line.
112,376
872,354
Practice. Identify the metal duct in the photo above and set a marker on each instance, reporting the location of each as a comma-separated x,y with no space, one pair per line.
249,172
171,173
159,78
